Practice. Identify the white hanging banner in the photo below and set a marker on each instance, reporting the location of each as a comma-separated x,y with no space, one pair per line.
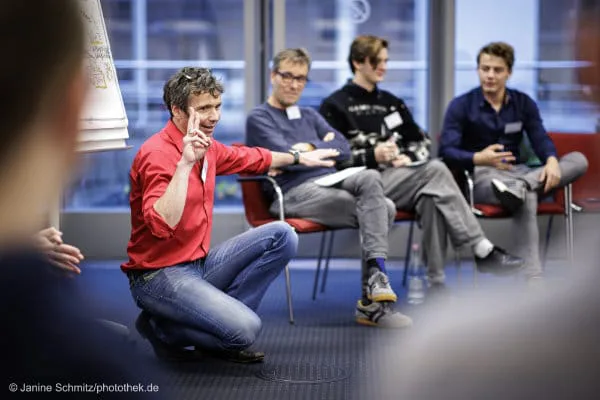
104,121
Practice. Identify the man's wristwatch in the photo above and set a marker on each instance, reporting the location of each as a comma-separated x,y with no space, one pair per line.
296,155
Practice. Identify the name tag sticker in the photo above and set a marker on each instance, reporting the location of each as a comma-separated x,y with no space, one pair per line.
293,112
513,127
393,120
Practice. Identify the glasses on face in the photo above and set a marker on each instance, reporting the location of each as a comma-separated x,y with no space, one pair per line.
288,78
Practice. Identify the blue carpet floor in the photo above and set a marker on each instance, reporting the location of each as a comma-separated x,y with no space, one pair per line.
325,352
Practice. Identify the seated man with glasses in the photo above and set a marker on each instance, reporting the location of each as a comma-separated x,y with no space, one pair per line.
280,124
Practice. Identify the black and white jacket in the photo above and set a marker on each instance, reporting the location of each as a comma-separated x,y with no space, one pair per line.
368,118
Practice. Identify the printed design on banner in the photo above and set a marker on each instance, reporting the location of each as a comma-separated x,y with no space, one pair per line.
360,11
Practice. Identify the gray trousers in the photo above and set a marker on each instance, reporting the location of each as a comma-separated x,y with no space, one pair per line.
524,220
357,202
430,189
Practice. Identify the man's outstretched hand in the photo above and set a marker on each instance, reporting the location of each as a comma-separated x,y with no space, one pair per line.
319,158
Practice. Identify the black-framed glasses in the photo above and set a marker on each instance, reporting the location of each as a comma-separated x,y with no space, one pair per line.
288,78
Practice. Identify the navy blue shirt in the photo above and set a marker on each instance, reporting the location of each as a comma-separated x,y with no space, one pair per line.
471,124
270,127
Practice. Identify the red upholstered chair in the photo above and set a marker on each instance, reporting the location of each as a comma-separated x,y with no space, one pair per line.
586,191
556,205
551,208
256,208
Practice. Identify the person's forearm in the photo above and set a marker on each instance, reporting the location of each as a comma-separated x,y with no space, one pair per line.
171,204
281,159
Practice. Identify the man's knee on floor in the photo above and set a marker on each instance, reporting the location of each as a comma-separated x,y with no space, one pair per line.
244,333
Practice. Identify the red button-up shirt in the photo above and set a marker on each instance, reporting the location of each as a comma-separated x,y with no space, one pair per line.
153,243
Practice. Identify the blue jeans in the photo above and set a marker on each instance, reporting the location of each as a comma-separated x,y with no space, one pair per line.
211,302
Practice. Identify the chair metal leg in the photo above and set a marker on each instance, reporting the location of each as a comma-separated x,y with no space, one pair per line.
569,224
288,288
407,257
571,247
318,271
458,265
475,273
327,258
547,244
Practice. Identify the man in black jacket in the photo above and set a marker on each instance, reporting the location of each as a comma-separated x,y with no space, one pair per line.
384,136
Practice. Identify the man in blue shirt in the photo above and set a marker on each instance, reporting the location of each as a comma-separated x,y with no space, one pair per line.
482,132
357,201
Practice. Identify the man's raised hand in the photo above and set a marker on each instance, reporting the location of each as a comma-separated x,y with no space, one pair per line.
195,142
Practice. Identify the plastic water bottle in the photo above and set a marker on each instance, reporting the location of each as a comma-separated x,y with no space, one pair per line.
416,282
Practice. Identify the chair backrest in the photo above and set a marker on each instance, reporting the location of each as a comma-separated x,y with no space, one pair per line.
256,205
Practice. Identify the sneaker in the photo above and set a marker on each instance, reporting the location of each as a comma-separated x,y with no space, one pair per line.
237,356
510,194
163,350
499,262
381,315
379,288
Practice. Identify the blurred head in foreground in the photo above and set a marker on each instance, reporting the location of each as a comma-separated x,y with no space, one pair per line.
43,81
51,334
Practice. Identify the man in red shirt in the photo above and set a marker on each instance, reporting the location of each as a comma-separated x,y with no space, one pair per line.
192,295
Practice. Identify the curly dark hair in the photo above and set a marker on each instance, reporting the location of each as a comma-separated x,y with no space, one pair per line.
188,81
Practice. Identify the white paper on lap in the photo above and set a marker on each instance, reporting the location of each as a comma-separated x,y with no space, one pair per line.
332,179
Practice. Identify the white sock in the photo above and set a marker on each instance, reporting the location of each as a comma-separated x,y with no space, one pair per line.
483,248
